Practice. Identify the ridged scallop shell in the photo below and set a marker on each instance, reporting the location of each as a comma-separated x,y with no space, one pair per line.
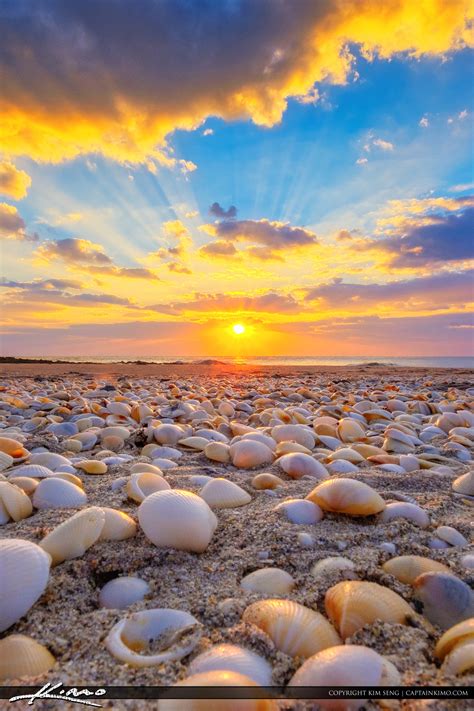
215,679
177,519
298,464
118,525
266,481
24,572
224,494
247,454
334,565
403,509
294,433
37,471
300,511
464,484
458,634
352,604
52,461
75,535
217,451
6,461
271,581
446,599
407,568
347,496
22,657
179,633
141,485
294,629
120,593
56,493
230,657
24,482
92,466
14,502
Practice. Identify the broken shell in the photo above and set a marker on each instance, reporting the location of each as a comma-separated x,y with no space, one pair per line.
403,509
334,565
230,657
55,493
266,481
217,451
464,484
347,496
300,511
294,629
352,604
117,525
298,464
273,581
142,484
224,494
451,536
248,453
75,535
178,633
120,593
24,572
407,568
446,599
14,502
458,634
22,657
177,519
92,466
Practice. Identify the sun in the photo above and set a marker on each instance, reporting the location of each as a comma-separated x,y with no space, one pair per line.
238,329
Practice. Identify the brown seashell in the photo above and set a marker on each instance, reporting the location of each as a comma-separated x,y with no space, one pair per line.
407,568
347,496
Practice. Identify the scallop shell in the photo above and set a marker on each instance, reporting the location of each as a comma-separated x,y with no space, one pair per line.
92,466
118,525
5,461
22,657
458,634
50,460
75,535
407,568
224,494
141,485
352,604
217,451
298,464
266,481
55,493
36,471
178,633
24,572
177,519
301,434
403,509
294,629
14,501
247,454
347,496
230,657
446,599
120,593
215,679
273,581
300,511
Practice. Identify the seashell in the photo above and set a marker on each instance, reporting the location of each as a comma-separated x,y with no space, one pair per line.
141,467
247,454
266,481
177,519
297,465
294,433
273,581
367,450
72,445
215,679
334,565
113,443
407,568
458,634
50,460
86,439
347,496
348,454
352,604
92,466
199,479
169,452
118,525
230,657
217,451
330,442
464,484
141,485
14,503
24,482
24,572
34,470
451,536
446,599
347,665
403,509
120,593
168,434
56,493
289,448
119,408
342,466
260,437
178,631
224,494
300,511
13,448
6,461
22,657
397,441
294,629
66,476
199,443
305,539
460,660
409,462
161,463
226,409
349,430
75,535
468,561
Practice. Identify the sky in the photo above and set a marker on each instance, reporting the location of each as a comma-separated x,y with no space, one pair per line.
171,168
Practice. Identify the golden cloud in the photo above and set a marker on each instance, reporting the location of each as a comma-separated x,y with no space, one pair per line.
13,182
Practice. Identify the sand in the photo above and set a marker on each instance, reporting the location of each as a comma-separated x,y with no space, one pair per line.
68,619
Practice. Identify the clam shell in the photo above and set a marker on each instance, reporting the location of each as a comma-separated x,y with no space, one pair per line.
50,460
75,535
215,679
403,509
141,467
349,430
14,501
120,593
24,573
72,478
247,454
24,482
224,494
298,464
142,484
347,496
178,631
446,599
118,525
198,443
266,481
55,493
217,451
347,454
294,629
407,568
92,466
177,519
168,434
300,511
352,604
22,657
294,433
272,581
458,634
230,657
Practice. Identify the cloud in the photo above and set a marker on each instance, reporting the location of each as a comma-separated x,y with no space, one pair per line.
208,132
175,231
13,182
178,268
42,284
424,123
12,225
362,161
383,145
56,293
271,302
91,77
222,214
221,248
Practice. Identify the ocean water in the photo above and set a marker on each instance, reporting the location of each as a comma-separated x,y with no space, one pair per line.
424,361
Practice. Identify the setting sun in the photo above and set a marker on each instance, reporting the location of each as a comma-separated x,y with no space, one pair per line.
238,329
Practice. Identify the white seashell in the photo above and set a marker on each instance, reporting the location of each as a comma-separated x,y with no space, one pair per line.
300,511
272,581
409,462
294,433
394,468
297,465
55,493
198,443
451,536
22,657
168,434
334,565
168,452
290,448
120,593
118,483
119,408
454,636
72,445
224,494
260,437
50,460
34,470
179,634
403,509
247,454
24,573
342,466
348,454
66,476
14,502
229,657
199,479
177,519
141,485
460,660
217,451
24,482
118,525
468,561
5,461
75,535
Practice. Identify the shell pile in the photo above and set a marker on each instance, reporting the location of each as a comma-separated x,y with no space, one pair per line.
245,529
